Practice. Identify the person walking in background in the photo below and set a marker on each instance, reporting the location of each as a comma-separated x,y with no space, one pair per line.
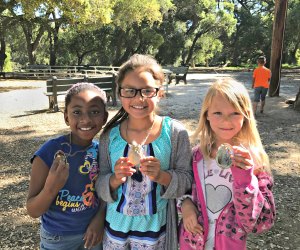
260,83
64,171
145,163
232,191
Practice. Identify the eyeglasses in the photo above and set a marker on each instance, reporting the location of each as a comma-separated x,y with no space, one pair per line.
130,93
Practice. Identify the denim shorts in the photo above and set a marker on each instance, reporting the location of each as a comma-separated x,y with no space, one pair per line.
260,94
51,241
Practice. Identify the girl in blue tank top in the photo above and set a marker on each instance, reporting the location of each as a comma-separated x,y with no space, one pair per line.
64,171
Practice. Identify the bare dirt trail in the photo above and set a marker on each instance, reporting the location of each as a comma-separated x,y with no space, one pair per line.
24,129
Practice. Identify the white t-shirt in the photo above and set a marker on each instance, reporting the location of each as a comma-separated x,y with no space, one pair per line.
217,188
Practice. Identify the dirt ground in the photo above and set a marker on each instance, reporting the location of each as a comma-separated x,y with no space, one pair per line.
25,125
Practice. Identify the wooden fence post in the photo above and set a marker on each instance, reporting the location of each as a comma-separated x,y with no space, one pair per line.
114,90
55,103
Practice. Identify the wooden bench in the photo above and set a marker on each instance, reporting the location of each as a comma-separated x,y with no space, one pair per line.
178,73
56,87
108,84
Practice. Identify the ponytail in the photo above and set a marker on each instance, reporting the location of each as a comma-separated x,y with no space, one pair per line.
117,119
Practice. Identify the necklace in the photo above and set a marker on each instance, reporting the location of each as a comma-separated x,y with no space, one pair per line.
63,155
148,134
135,152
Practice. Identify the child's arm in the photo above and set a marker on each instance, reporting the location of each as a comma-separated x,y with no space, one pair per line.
253,78
123,168
108,182
253,197
255,201
180,169
95,230
189,216
44,185
102,184
150,166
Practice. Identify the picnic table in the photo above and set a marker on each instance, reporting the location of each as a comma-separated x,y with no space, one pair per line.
167,73
178,73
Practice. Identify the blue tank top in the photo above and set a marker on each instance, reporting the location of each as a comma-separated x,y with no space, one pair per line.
139,206
77,202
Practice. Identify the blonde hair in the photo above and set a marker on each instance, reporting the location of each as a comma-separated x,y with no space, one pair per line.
238,96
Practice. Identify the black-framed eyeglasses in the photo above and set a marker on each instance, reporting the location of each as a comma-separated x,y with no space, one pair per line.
130,92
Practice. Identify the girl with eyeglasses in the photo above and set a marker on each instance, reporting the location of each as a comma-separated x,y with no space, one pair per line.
145,163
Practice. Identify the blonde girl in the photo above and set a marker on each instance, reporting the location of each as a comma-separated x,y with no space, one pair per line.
227,204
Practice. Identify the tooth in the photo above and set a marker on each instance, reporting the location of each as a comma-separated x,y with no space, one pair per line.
85,128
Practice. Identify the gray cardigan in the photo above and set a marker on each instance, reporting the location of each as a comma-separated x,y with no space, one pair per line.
180,170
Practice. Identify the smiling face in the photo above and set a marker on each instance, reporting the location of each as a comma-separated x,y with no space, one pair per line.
138,106
225,120
85,114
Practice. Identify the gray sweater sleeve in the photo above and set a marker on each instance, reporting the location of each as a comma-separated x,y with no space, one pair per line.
102,183
180,163
181,171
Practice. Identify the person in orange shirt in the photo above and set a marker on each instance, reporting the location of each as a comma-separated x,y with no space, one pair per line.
260,83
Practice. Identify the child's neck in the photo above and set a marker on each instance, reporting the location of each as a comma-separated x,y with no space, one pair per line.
77,142
140,125
140,131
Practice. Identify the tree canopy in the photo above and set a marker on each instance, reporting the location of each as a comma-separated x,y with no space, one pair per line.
107,32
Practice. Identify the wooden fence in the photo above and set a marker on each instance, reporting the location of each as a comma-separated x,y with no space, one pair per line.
47,71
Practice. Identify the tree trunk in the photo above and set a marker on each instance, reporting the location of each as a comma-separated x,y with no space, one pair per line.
277,45
79,59
51,48
53,40
235,52
128,44
293,59
2,53
192,48
31,42
297,101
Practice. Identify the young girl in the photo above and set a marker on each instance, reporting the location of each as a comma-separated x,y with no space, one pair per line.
64,171
145,163
230,202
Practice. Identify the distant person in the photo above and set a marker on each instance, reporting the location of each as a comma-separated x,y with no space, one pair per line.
63,176
232,197
260,83
145,163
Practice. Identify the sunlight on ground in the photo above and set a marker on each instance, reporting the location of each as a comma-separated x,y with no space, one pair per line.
7,181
